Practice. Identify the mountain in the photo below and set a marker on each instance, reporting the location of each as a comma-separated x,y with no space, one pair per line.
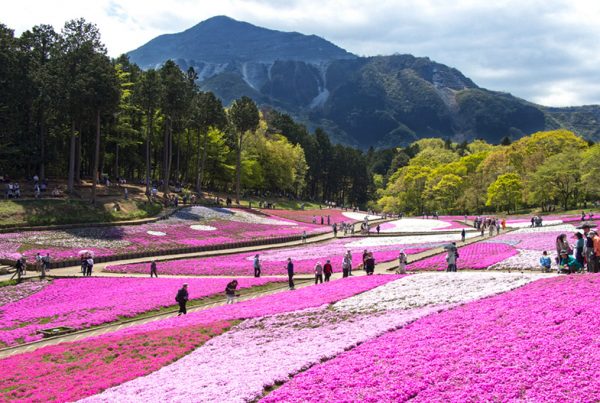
380,101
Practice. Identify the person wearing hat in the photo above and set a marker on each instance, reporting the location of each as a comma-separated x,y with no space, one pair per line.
568,263
318,273
182,299
327,270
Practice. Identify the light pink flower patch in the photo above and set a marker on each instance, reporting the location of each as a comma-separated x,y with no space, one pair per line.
474,256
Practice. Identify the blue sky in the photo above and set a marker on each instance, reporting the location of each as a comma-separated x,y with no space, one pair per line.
547,52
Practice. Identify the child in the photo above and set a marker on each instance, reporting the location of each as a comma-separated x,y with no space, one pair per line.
546,262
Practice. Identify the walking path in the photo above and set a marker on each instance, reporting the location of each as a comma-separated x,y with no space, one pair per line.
301,281
112,327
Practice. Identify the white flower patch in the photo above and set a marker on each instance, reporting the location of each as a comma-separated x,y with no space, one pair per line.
415,225
525,260
434,289
198,227
359,216
554,228
250,218
156,233
407,240
528,224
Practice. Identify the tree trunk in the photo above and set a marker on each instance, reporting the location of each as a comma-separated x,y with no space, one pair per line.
167,157
78,158
204,154
198,163
96,158
238,169
42,149
71,181
117,161
148,131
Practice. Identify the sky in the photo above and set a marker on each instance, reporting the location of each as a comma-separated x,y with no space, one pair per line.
547,52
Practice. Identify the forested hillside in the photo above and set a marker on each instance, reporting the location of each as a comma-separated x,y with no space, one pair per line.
69,111
546,170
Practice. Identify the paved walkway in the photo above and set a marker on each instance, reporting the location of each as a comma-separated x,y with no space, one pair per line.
108,328
301,281
98,267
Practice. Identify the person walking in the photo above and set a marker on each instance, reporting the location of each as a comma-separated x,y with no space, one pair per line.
347,264
257,265
370,264
38,262
378,228
46,260
89,266
451,258
318,273
328,270
153,272
402,262
18,269
303,236
230,291
290,272
335,230
463,235
182,299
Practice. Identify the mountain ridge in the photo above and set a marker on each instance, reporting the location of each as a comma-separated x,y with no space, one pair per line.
379,101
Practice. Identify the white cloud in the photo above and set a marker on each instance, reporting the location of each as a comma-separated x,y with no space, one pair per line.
544,51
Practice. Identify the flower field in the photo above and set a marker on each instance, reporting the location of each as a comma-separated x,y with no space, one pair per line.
189,227
305,257
306,216
479,255
285,344
86,367
477,336
445,223
85,302
506,348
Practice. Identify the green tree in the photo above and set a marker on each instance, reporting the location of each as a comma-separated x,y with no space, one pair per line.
506,192
244,119
559,176
147,93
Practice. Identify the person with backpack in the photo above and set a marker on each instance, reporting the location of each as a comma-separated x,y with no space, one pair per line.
318,273
328,270
153,272
230,291
182,299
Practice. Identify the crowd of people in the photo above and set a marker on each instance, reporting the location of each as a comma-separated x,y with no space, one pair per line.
582,255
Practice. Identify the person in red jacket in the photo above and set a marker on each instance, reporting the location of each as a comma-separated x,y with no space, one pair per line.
327,270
